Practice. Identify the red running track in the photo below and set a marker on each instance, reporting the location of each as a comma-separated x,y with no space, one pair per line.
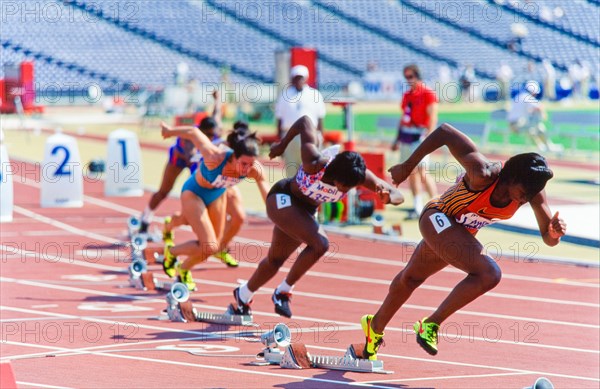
69,318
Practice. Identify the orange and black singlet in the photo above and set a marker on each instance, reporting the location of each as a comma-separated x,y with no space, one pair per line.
471,209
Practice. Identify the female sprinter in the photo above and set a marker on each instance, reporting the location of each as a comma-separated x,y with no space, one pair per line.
292,204
203,203
236,214
486,193
181,156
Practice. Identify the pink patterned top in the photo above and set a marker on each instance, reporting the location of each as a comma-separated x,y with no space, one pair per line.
311,185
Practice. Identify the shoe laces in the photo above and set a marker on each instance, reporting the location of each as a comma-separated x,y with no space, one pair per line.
284,296
379,342
186,275
432,331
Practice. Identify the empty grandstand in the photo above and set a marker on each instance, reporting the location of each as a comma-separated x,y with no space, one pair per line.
141,43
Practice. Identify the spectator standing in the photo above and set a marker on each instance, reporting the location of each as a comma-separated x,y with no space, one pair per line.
295,101
419,118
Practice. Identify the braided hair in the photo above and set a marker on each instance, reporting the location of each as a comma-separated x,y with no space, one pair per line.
529,170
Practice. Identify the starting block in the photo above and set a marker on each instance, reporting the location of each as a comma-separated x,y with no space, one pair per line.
180,309
138,245
133,229
133,226
140,278
153,255
296,356
279,337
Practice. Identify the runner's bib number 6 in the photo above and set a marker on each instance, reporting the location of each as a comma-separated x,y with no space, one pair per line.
440,221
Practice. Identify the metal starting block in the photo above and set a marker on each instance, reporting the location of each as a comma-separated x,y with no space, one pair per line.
133,229
154,237
133,226
180,309
138,246
140,278
151,283
296,356
153,255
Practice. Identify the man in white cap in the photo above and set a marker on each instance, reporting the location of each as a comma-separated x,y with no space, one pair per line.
527,114
295,101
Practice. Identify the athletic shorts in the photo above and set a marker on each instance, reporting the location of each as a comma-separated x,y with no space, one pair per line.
283,187
176,159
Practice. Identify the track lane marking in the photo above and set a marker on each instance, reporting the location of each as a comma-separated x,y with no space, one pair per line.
130,211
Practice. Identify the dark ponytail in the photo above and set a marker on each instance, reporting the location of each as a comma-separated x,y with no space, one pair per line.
243,142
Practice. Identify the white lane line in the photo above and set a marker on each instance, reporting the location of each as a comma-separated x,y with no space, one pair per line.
351,257
412,306
482,339
42,385
446,289
212,367
586,285
425,360
401,262
169,329
516,297
63,226
43,233
20,319
315,295
12,250
106,347
107,239
449,377
123,344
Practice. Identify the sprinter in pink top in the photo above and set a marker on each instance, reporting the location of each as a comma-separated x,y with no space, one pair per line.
324,176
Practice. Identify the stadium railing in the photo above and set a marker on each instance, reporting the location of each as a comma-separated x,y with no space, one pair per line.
386,128
575,126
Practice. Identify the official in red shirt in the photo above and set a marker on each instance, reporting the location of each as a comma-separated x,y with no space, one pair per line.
419,118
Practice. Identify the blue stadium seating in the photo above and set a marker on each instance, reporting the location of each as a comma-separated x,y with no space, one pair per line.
445,41
576,18
48,74
494,22
141,42
333,36
100,46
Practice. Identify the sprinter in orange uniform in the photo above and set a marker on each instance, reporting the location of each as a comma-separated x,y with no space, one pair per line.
487,192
